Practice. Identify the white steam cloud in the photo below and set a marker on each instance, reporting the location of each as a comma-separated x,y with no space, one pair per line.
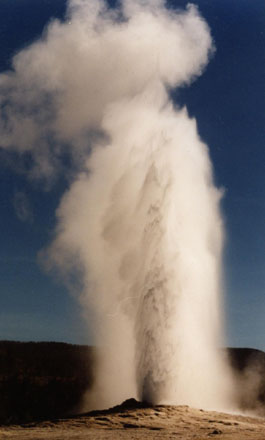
141,220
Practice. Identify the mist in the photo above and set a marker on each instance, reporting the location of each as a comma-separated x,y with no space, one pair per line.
140,225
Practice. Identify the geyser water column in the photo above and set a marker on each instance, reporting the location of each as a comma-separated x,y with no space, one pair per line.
161,241
143,216
140,221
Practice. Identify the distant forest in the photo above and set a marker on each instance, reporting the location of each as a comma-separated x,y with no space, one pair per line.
40,380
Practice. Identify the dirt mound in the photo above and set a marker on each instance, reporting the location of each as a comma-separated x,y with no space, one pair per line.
133,421
132,404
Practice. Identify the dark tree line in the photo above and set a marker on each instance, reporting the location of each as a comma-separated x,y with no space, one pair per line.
42,380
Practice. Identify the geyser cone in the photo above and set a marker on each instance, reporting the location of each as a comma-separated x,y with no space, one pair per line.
140,220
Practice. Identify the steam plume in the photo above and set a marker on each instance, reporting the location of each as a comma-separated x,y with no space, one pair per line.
141,220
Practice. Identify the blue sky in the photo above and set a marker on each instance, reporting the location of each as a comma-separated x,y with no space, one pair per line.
228,104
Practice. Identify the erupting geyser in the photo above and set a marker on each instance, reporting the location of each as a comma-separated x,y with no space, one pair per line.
141,220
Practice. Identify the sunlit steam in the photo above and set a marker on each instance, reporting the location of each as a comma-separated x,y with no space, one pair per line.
141,220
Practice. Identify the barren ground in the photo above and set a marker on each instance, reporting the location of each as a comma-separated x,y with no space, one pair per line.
160,422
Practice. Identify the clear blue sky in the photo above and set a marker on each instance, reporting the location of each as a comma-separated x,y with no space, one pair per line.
228,101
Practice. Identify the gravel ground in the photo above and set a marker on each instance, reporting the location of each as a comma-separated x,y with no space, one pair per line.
160,422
